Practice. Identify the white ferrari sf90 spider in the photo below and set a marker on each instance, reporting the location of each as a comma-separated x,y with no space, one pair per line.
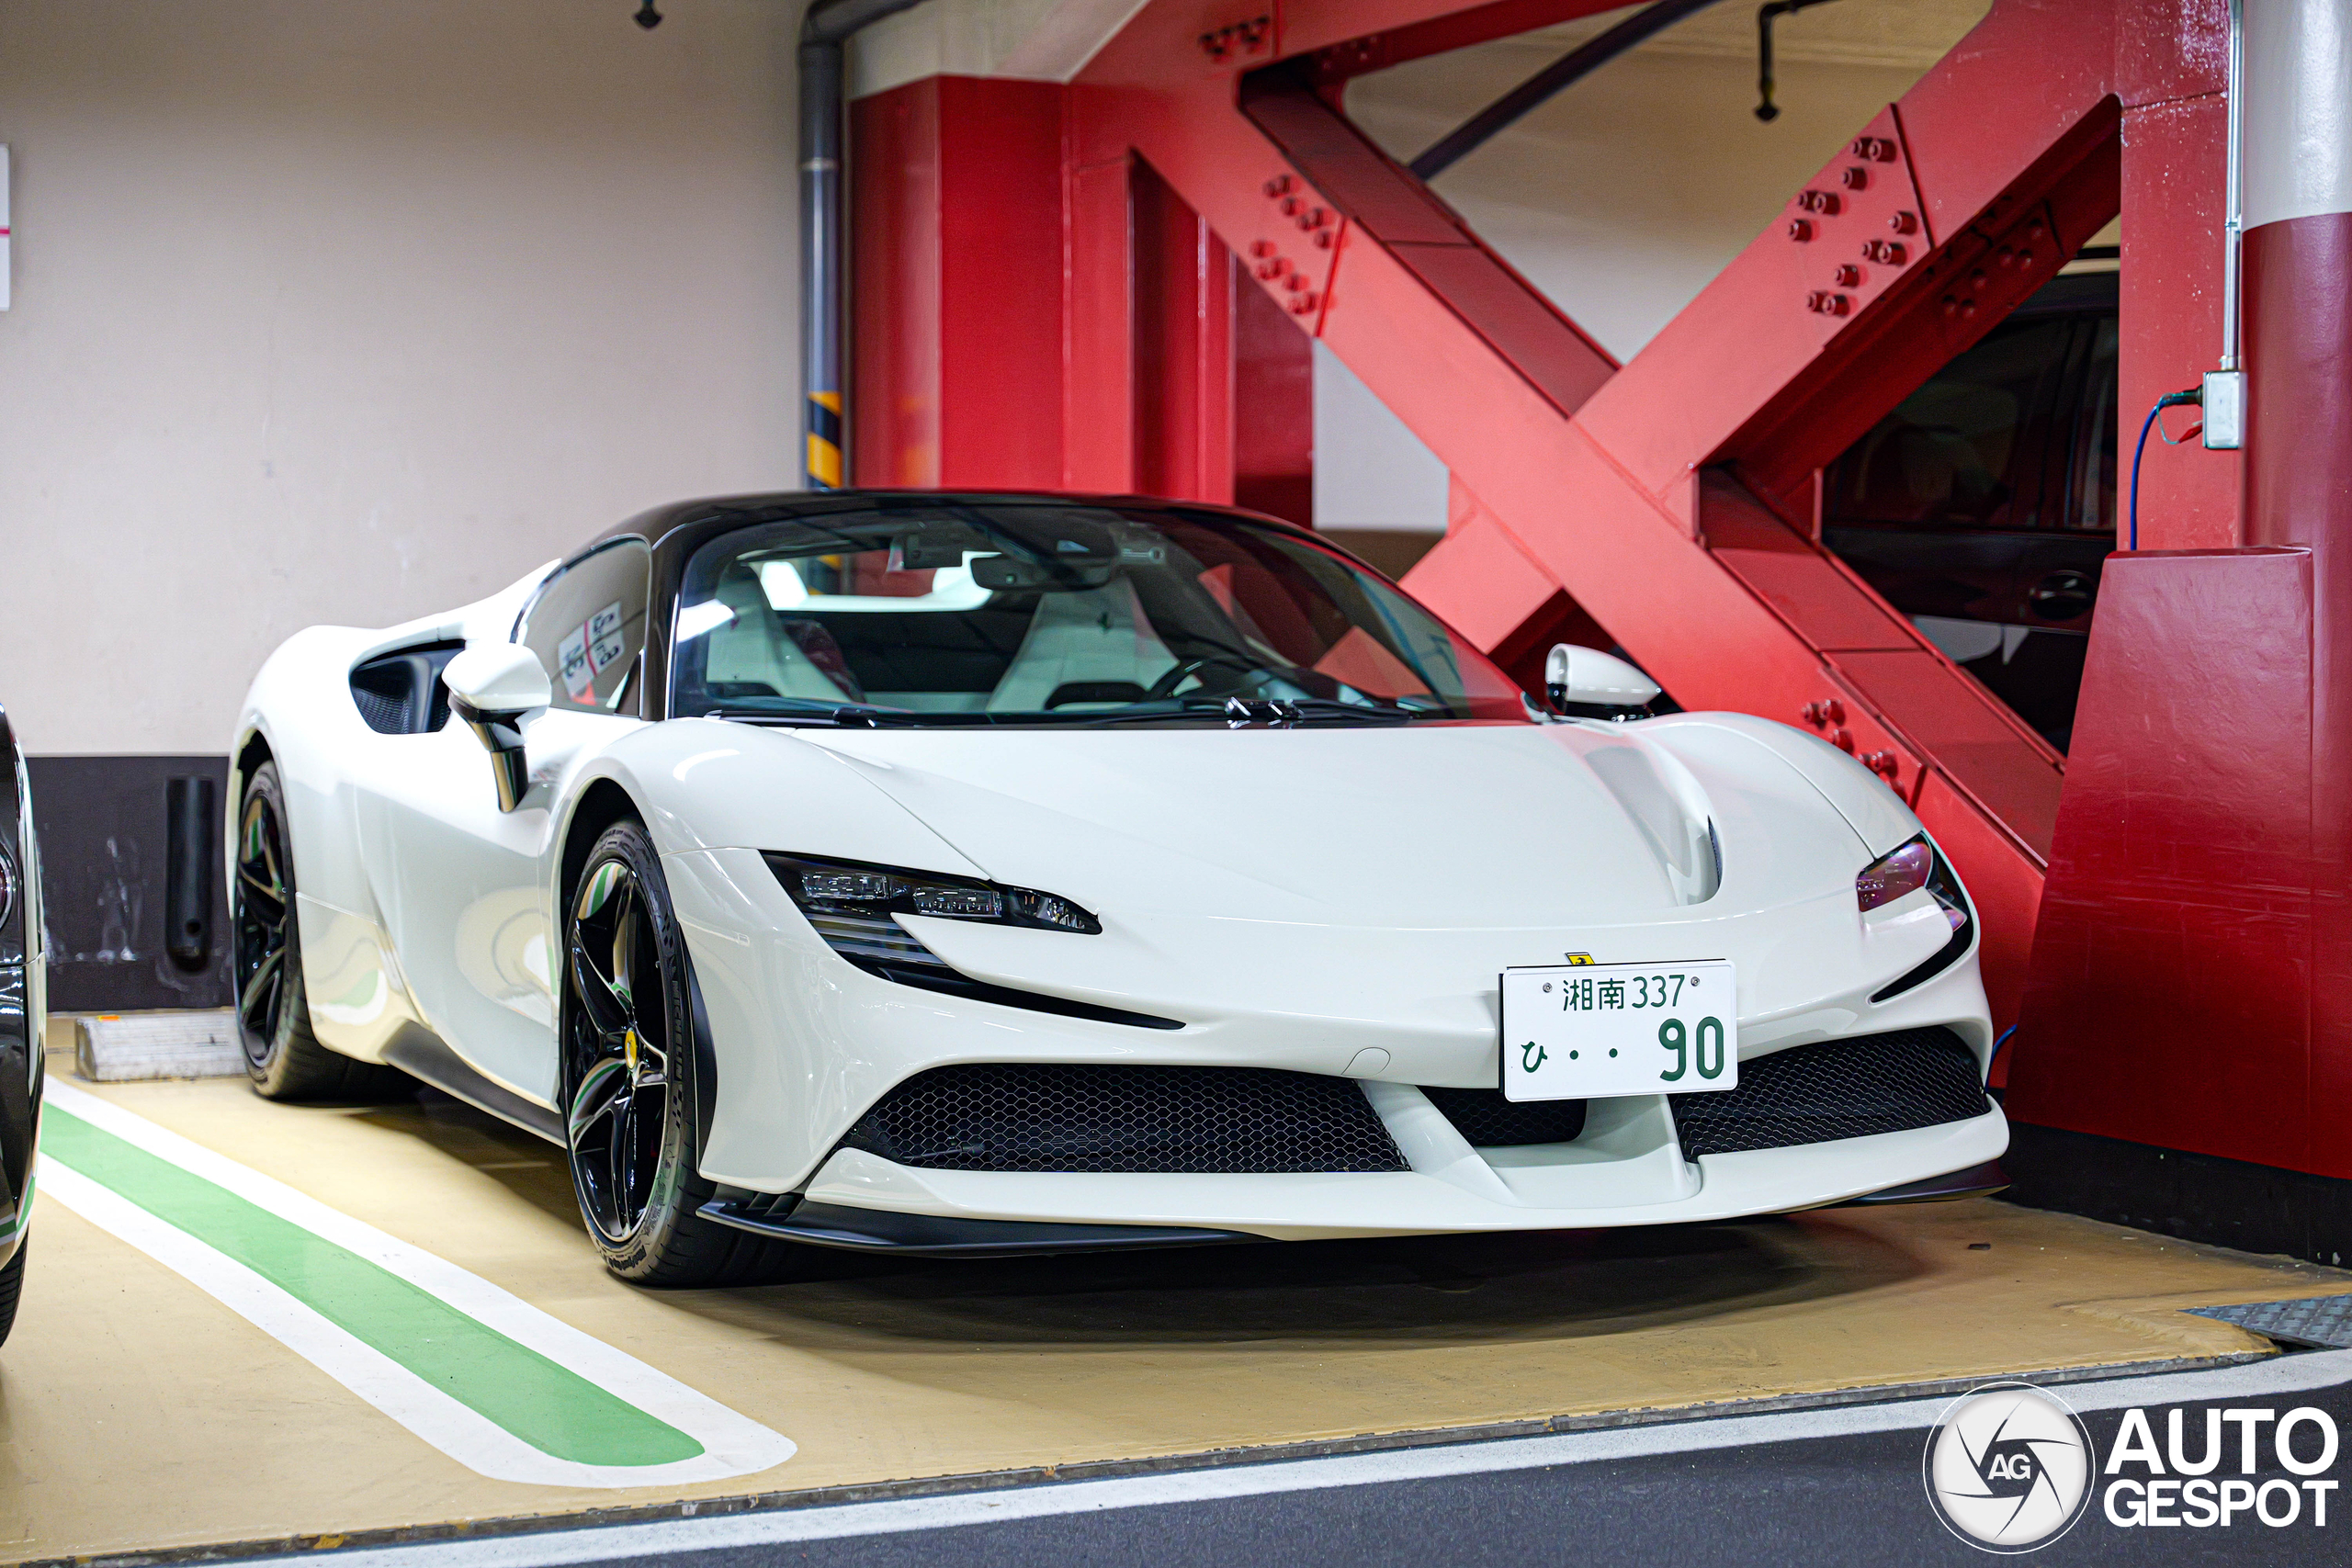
979,875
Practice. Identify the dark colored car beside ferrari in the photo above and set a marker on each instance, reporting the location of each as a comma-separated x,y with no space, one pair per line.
23,1011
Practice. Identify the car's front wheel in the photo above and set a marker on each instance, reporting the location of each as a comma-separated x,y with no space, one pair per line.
629,1076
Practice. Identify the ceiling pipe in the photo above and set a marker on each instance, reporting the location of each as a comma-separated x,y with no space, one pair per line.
825,29
1563,73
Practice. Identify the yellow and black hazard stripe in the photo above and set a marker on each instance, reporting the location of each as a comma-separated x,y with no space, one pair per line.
824,461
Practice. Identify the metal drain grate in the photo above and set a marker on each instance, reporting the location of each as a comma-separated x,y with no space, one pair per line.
1072,1117
2323,1323
1839,1088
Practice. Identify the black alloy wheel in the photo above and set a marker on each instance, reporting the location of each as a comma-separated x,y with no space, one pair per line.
628,1081
284,1059
621,1052
263,921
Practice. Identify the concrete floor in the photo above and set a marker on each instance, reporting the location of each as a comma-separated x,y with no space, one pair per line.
139,1413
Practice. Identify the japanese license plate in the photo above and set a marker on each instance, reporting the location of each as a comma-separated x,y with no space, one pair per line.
1592,1031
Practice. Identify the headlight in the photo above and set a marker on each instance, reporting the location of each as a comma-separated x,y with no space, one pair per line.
1904,871
853,907
1907,869
1912,865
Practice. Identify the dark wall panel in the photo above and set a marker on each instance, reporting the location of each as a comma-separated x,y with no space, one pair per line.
106,848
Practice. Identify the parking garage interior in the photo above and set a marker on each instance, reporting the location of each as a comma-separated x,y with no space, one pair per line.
1958,384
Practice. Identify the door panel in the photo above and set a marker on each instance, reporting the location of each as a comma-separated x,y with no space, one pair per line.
471,889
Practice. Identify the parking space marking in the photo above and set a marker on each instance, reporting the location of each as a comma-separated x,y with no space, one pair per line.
742,1532
491,1381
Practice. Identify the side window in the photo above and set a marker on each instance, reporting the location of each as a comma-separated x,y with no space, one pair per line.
587,626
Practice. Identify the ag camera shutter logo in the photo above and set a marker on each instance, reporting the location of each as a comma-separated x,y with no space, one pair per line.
2008,1468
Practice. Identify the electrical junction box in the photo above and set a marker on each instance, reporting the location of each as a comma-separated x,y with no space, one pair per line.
2224,408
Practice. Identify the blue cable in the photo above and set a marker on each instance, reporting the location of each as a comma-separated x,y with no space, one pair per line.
2170,399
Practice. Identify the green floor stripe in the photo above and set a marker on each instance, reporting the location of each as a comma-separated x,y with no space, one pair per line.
553,1409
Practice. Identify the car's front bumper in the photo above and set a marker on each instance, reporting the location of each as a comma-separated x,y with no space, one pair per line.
802,1045
1545,1189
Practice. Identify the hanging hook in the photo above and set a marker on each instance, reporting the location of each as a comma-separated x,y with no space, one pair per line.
1766,110
647,16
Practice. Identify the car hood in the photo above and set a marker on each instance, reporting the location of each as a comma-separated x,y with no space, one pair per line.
1433,825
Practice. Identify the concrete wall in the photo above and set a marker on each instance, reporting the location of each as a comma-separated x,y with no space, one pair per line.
1623,195
352,310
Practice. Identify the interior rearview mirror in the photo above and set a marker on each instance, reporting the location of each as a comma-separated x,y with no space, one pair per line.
1588,683
492,686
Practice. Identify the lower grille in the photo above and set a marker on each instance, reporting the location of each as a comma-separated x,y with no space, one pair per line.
1068,1117
1486,1121
1840,1088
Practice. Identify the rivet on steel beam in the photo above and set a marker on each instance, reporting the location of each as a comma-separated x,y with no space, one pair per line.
1323,239
2006,256
2025,258
1976,278
1301,305
1847,275
1295,281
1881,763
1836,710
1291,206
1904,222
1952,306
1800,230
1842,741
1854,176
1967,309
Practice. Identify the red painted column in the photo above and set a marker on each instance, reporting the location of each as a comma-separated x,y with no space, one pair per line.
956,224
2298,273
1274,409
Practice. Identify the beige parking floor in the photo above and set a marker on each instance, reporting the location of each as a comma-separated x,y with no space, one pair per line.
138,1412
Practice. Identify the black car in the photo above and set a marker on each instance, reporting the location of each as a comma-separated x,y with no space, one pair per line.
23,1012
1983,506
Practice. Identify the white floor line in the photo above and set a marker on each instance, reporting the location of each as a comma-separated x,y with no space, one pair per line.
733,1444
2285,1375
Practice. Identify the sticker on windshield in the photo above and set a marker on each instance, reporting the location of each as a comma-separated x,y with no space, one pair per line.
604,645
571,653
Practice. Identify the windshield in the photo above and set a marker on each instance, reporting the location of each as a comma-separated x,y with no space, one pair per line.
1035,614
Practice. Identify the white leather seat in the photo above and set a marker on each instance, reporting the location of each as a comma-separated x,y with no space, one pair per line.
1100,635
753,647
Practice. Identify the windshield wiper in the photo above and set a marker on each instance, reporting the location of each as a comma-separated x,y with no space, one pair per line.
1273,712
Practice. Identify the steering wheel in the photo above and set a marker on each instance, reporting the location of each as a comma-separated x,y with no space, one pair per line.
1165,687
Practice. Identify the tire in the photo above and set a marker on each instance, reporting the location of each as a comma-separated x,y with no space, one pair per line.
628,1082
12,1287
284,1059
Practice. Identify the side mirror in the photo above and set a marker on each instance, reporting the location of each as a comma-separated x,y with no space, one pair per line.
1589,684
492,686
